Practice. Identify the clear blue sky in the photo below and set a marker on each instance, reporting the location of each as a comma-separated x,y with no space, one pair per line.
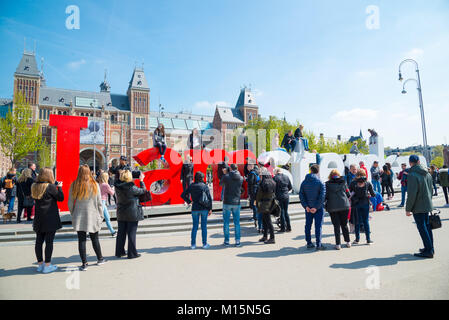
314,60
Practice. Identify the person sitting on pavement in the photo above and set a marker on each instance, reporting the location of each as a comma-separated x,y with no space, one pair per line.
312,194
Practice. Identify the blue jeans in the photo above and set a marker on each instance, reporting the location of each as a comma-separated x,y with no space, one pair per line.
196,220
403,193
305,143
425,231
107,218
256,216
227,210
11,204
361,216
318,217
376,185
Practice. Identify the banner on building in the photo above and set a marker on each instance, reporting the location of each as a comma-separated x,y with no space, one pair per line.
94,134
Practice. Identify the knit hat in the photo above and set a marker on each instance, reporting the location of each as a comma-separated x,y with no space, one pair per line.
413,158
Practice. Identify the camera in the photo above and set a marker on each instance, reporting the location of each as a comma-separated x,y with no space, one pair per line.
136,174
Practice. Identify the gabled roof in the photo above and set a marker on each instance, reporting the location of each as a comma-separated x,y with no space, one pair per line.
28,66
5,106
246,98
229,115
62,98
138,80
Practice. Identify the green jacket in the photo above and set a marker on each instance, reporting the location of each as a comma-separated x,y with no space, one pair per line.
419,190
444,178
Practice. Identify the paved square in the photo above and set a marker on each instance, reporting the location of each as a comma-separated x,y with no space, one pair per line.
169,269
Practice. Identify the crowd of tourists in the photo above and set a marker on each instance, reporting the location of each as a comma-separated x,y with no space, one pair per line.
347,197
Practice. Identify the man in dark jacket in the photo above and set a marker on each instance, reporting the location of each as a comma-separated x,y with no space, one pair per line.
187,173
283,187
200,208
232,183
223,168
252,179
312,194
419,202
122,166
32,167
289,142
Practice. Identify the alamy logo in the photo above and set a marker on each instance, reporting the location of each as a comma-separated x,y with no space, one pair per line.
373,19
373,280
73,20
73,280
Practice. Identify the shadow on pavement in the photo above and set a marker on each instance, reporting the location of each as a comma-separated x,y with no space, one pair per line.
23,271
286,251
378,262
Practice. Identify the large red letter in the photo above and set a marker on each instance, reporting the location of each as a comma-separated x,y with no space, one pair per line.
67,150
173,193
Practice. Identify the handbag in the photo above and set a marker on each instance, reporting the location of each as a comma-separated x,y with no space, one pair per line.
145,197
275,208
434,220
28,202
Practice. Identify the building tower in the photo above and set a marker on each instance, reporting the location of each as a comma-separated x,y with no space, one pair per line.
246,105
139,102
27,80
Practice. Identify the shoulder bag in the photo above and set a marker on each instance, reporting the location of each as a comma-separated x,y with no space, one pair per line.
434,219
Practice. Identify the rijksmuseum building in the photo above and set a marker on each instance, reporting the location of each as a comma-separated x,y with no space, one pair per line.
125,121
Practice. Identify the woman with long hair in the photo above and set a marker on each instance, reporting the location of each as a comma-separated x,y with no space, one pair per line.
106,191
264,203
197,192
159,140
386,181
337,204
390,182
26,202
87,213
129,213
46,216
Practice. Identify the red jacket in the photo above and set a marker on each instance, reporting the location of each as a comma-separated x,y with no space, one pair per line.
366,170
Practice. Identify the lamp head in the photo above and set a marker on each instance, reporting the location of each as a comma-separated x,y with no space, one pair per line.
400,77
403,91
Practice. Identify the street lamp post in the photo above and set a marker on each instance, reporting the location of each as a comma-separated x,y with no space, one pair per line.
421,105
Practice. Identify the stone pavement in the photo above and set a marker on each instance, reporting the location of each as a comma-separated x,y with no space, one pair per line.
169,269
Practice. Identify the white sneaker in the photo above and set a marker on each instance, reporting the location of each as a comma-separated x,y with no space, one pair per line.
337,247
206,246
193,247
348,244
